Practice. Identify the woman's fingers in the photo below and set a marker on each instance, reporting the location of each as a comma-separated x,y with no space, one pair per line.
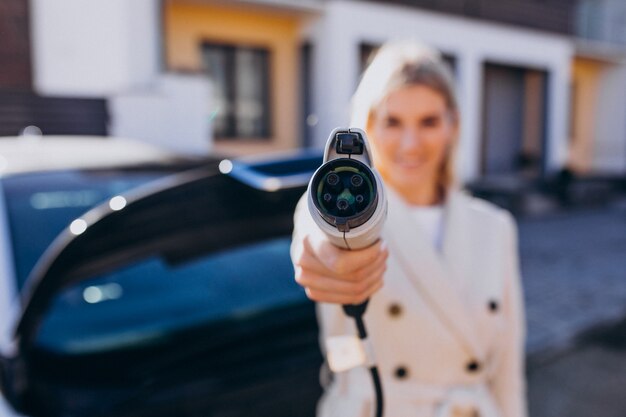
365,271
333,275
309,262
331,290
334,297
342,261
359,282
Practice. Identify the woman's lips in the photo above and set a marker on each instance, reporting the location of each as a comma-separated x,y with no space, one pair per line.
411,164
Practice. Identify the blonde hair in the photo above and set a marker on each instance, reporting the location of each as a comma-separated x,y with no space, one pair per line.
401,64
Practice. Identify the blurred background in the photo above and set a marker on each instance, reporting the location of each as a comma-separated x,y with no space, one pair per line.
542,93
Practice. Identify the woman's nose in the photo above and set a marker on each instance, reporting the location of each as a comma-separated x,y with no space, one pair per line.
411,140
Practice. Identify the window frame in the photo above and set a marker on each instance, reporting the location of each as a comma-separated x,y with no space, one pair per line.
230,133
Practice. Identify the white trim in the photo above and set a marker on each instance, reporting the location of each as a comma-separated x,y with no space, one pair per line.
301,6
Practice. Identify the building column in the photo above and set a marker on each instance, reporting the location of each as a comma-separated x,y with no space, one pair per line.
557,137
334,75
470,96
609,148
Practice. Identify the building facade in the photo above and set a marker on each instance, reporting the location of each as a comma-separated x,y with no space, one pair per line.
512,82
529,93
541,84
598,105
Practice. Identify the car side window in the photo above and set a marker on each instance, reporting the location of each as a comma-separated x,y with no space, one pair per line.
142,302
41,205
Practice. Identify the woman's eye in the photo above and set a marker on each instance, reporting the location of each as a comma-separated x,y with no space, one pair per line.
392,122
432,121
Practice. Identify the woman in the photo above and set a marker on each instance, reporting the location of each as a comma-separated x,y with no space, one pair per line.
445,315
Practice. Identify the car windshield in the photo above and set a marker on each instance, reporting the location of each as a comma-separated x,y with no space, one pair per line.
41,205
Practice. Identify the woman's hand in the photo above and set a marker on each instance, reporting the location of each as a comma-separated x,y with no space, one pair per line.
333,275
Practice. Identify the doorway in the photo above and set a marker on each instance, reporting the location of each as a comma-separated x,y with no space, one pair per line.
514,121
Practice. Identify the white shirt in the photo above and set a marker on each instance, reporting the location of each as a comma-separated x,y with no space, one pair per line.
429,219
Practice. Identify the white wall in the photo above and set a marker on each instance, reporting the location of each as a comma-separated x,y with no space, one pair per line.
110,49
336,37
173,115
94,47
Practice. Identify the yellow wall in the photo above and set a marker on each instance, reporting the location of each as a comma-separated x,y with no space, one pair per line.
187,25
586,77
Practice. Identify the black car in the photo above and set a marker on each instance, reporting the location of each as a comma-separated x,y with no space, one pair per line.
177,300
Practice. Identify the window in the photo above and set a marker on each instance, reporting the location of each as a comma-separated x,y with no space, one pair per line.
41,205
366,55
241,103
154,296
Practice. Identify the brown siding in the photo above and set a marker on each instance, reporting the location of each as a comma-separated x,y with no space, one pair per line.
550,15
15,69
53,115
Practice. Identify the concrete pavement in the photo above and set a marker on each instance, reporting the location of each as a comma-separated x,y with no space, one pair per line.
574,278
574,274
587,380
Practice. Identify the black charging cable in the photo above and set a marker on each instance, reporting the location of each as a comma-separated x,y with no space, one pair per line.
356,311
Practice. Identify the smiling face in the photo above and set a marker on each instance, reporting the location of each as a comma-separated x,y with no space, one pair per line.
411,133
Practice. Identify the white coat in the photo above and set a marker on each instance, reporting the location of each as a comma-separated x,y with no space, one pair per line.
447,328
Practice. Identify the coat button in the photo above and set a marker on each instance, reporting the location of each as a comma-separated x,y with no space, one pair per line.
493,306
401,372
473,366
395,310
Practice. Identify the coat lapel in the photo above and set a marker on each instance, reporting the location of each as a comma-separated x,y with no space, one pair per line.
435,275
